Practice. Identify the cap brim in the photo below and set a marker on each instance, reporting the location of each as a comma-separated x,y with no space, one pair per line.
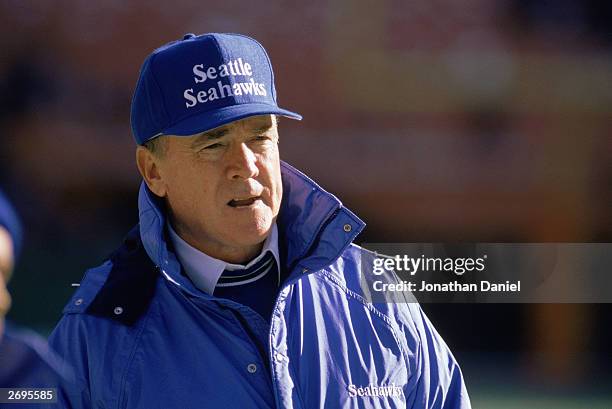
205,121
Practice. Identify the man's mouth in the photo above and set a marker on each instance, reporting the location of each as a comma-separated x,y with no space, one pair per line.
243,202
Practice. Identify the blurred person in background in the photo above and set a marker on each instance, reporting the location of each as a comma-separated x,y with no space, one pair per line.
240,286
25,359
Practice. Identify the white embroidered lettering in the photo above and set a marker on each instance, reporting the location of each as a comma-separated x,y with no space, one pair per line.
372,390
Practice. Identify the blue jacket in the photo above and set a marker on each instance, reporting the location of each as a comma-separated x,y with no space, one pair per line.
139,334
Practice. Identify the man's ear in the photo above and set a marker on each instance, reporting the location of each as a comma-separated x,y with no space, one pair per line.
148,166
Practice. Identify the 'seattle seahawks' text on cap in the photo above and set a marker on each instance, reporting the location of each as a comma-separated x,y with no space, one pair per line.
200,83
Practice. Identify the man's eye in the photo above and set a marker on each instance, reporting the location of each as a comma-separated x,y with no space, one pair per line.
262,138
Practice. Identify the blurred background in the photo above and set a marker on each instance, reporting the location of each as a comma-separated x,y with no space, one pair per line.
434,120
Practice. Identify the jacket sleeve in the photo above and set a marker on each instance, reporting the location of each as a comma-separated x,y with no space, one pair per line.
440,383
66,339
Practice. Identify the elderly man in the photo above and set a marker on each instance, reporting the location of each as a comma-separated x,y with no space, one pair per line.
240,286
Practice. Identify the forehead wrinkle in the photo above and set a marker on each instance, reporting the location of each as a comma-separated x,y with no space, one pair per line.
215,133
262,128
257,123
209,136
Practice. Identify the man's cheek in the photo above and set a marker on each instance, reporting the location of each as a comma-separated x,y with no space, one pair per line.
277,196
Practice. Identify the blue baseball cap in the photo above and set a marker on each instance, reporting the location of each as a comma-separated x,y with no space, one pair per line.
10,221
200,83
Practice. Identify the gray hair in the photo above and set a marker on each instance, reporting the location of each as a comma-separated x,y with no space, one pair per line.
157,146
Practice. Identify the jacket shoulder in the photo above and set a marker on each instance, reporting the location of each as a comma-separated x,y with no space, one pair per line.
121,288
103,323
356,269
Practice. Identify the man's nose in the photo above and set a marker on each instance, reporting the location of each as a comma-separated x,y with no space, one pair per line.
242,162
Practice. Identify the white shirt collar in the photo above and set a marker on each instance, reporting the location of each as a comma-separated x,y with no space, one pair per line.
204,270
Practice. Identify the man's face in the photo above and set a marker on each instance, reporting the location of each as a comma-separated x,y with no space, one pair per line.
6,266
223,187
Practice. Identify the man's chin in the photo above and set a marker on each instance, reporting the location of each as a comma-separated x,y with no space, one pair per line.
250,234
253,235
